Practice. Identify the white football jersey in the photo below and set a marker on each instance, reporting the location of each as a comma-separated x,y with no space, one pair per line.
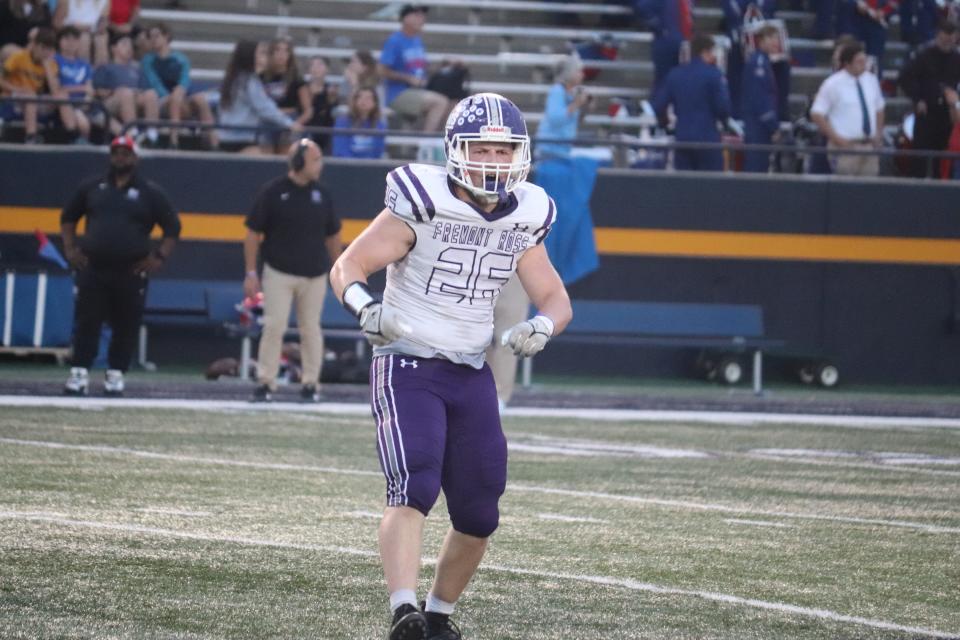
445,288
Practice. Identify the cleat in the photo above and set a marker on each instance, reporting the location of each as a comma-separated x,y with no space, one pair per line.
113,382
440,627
408,624
309,393
262,394
78,384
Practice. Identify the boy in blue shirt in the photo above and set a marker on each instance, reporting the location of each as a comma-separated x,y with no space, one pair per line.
75,75
403,65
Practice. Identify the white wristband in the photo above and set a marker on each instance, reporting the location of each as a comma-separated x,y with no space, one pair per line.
547,321
357,296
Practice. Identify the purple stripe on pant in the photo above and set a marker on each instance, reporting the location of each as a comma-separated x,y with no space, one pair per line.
438,427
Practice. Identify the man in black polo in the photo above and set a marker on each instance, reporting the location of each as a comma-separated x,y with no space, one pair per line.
113,260
294,226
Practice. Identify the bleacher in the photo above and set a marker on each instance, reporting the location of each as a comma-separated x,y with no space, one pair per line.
511,46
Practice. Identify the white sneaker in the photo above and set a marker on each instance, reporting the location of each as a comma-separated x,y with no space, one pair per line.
113,382
78,383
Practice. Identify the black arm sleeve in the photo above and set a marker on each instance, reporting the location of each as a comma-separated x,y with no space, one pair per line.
909,79
333,220
257,218
165,216
76,208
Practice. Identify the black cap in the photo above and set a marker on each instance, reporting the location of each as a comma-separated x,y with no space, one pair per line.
412,8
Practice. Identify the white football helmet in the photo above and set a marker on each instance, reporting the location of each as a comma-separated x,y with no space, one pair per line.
487,117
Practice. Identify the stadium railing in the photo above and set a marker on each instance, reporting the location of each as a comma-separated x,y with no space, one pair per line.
617,143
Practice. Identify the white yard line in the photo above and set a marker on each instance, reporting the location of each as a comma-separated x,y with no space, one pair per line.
836,464
719,418
722,508
759,523
589,495
633,585
562,518
275,466
365,514
175,512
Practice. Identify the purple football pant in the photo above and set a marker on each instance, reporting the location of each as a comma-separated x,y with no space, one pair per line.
438,427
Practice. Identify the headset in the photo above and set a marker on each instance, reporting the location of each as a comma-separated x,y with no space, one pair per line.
298,159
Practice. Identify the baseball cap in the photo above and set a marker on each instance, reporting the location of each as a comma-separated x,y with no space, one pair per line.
124,141
412,8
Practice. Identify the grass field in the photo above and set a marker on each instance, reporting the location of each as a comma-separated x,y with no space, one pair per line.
172,523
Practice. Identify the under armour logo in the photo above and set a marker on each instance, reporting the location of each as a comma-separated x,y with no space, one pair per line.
518,227
408,363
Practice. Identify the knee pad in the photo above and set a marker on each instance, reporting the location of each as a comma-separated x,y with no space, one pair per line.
479,521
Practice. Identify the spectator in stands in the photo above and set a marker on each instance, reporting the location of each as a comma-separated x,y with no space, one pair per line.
403,65
76,83
923,79
825,14
848,110
698,92
364,114
672,24
28,73
839,44
17,18
735,12
361,71
168,73
120,84
566,102
870,26
759,109
284,84
918,21
244,101
324,100
950,168
90,17
294,225
113,260
123,16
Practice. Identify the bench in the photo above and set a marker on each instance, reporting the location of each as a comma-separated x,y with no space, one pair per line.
213,304
728,328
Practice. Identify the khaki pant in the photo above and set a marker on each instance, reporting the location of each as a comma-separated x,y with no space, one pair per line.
512,306
855,165
413,103
279,291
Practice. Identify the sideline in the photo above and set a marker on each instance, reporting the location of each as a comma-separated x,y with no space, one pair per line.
719,418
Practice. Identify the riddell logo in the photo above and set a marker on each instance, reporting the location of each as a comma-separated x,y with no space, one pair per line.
493,130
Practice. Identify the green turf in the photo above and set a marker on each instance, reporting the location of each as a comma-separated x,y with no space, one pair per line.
104,543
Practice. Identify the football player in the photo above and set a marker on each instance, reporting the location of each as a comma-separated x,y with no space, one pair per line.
449,239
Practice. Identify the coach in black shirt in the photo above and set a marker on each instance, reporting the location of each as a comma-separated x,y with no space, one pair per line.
112,261
294,226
